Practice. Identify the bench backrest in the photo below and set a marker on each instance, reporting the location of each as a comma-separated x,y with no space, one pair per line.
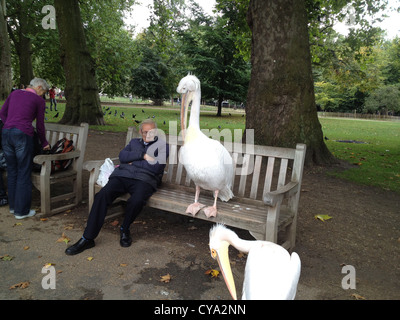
55,132
258,169
78,134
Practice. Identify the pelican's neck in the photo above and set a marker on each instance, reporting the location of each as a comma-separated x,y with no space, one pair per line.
194,120
241,245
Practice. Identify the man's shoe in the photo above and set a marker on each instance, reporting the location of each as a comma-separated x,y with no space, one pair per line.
79,247
125,240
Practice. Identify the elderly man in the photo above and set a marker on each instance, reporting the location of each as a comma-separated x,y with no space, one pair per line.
17,114
142,164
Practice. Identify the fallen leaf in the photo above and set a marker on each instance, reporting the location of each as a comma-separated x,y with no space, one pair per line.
213,273
48,265
166,279
17,224
26,248
43,219
22,285
69,227
64,239
357,296
322,217
6,257
89,258
123,264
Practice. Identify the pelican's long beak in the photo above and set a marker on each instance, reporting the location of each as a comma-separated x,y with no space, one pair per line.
222,256
186,99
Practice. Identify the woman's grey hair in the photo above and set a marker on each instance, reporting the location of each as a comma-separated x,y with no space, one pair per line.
38,82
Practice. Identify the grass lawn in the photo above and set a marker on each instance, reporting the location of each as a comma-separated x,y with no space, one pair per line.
377,160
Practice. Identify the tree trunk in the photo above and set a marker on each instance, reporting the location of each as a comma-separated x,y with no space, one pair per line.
5,58
25,59
81,91
24,44
281,103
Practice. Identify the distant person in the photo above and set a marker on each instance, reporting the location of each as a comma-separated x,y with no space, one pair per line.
142,164
52,94
21,108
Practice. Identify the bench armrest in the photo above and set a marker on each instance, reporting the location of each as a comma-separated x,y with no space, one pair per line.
95,164
42,158
273,198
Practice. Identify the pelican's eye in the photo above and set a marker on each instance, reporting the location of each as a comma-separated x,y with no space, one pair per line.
213,253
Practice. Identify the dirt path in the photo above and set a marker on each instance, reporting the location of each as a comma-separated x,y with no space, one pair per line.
364,232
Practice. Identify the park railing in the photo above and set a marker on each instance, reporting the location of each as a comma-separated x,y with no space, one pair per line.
356,115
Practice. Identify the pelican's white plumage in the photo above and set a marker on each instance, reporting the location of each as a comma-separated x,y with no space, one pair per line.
271,273
207,162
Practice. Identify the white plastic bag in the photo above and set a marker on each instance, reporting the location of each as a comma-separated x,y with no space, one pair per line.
105,171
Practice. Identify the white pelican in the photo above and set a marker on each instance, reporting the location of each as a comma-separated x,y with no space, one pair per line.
271,273
206,161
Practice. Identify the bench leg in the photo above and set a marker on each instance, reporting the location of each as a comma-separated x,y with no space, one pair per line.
291,234
45,200
271,230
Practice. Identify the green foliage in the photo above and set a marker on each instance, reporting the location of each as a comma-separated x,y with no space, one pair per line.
223,72
148,77
364,81
384,99
110,45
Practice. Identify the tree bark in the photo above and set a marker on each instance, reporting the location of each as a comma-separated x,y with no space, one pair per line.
20,34
281,103
81,91
5,58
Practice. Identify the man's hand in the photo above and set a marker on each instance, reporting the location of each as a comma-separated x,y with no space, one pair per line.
148,158
46,148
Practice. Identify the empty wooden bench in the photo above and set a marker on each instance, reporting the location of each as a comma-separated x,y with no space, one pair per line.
44,179
266,187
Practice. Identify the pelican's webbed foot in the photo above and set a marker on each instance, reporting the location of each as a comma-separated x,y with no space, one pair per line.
210,212
194,208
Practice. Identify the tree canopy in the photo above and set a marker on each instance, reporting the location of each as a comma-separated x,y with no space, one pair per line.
183,38
352,72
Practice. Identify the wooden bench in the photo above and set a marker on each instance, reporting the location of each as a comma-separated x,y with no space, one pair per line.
266,187
73,176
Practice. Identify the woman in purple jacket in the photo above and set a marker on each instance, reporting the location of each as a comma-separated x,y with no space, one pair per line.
21,108
142,165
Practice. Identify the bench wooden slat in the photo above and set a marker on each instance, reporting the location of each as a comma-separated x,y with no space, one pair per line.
256,177
269,175
282,172
243,175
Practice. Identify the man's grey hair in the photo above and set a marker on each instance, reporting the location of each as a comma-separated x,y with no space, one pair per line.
38,82
148,121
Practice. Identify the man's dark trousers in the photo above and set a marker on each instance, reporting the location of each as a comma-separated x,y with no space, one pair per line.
139,190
